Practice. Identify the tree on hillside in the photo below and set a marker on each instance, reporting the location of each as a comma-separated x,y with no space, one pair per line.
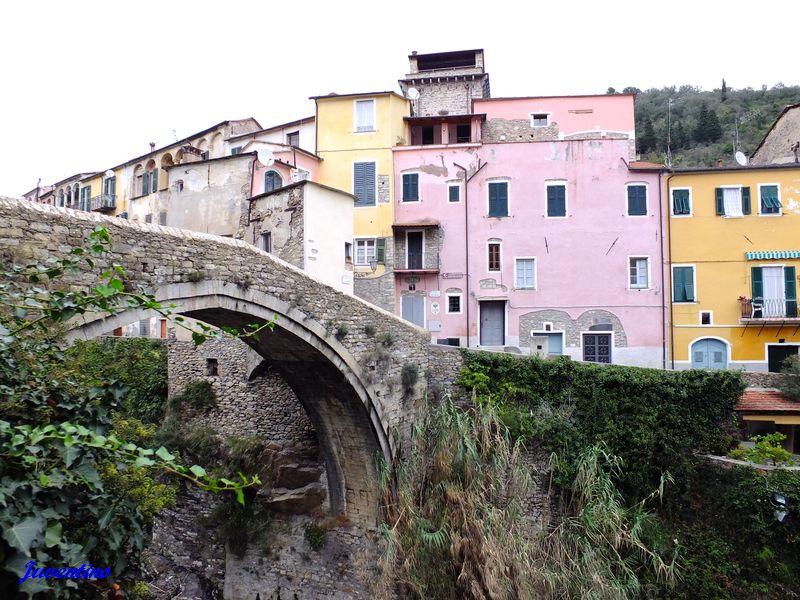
712,126
723,92
647,140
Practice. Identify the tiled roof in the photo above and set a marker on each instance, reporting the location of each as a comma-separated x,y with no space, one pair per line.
641,164
763,400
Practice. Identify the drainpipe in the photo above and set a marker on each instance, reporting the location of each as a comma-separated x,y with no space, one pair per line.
669,259
663,289
467,179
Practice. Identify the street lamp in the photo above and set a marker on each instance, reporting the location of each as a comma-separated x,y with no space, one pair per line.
373,264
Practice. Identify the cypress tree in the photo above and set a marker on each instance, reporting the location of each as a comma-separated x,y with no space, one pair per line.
700,130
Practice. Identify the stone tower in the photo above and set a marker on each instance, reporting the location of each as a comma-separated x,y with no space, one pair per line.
446,81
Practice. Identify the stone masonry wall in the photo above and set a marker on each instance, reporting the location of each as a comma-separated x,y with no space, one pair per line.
447,98
378,290
777,145
517,130
281,214
572,328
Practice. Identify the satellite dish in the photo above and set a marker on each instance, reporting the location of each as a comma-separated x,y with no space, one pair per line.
741,158
265,157
109,173
413,93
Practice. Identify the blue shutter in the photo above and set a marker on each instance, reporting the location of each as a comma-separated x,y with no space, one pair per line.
498,199
453,193
410,187
556,201
637,200
364,183
492,200
371,183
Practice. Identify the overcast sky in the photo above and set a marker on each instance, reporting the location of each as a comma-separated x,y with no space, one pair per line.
87,85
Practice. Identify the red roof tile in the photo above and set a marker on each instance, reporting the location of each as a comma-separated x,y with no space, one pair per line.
763,400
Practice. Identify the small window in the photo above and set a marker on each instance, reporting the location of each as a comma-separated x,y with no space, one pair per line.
494,256
179,185
540,119
770,203
212,367
732,201
453,304
272,181
365,115
365,251
525,273
639,272
293,139
463,133
454,192
348,252
162,217
148,218
557,200
498,199
144,328
410,187
683,284
681,202
266,241
705,317
637,200
427,136
236,150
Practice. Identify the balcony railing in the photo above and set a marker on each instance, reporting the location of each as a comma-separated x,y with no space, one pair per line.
104,202
417,261
765,309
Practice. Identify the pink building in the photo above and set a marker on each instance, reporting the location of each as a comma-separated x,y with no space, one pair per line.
525,224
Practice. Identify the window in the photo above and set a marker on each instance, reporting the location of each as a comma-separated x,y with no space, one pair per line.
597,347
453,304
637,200
540,119
179,185
365,115
706,317
769,200
110,186
410,187
148,218
265,241
212,367
364,183
272,181
236,150
463,133
498,198
556,200
683,284
774,290
365,251
153,181
86,198
494,256
454,192
144,328
293,139
428,136
639,272
682,201
732,201
525,273
348,252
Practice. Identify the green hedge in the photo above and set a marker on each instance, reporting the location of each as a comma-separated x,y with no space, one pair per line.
654,420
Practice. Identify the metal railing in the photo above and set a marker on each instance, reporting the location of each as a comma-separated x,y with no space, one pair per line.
768,308
104,202
417,261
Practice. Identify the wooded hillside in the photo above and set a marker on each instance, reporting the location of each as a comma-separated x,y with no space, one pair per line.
705,123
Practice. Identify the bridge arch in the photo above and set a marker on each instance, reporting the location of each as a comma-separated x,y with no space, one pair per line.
324,375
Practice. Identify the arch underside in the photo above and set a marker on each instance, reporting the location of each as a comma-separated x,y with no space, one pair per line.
324,377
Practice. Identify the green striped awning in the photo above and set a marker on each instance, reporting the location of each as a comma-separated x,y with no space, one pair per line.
772,254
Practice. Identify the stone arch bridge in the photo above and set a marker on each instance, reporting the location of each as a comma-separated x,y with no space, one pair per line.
348,384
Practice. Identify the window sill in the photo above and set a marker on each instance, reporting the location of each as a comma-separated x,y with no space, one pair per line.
365,131
634,216
638,288
417,201
681,216
770,214
524,289
497,216
365,206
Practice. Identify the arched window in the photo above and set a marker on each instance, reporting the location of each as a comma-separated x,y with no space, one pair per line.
272,181
60,197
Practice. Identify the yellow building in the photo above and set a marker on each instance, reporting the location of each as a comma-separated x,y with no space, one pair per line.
734,257
355,136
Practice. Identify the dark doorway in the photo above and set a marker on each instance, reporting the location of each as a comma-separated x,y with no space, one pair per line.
414,241
776,355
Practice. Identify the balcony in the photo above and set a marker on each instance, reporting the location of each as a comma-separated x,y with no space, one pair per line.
417,262
104,202
768,310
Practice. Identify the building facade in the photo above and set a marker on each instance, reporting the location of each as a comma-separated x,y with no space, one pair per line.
734,257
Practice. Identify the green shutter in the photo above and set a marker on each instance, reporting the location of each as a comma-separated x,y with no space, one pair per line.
746,200
720,201
757,283
406,187
677,284
791,291
680,202
493,194
688,284
359,187
154,181
380,250
453,193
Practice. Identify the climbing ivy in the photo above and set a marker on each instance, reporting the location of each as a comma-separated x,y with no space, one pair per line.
60,459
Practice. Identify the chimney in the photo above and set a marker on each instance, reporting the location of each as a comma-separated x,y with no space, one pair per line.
719,163
152,146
